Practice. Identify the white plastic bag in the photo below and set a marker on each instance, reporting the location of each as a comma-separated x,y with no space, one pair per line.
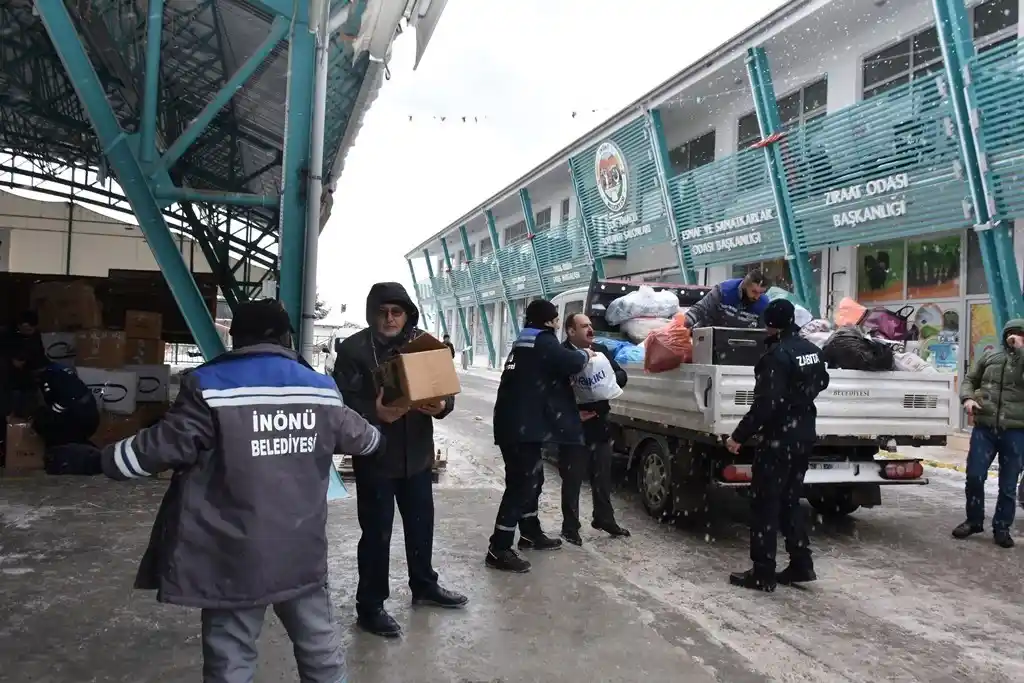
643,303
637,329
596,382
910,362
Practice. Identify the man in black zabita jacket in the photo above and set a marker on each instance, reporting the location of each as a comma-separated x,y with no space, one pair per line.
251,439
789,376
402,473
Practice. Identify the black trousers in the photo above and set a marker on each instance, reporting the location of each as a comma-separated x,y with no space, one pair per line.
524,477
375,505
778,476
574,464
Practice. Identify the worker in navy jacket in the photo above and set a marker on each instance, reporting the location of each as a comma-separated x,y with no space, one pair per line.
251,439
739,302
535,405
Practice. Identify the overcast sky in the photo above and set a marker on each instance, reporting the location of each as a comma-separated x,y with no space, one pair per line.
521,68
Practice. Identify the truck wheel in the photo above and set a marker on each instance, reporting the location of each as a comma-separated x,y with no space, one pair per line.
654,480
833,503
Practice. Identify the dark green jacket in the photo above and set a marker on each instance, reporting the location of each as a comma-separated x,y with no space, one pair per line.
996,382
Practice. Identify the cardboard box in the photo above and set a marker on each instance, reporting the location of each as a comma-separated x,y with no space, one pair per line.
60,347
144,352
115,390
154,382
422,373
100,349
65,306
24,448
114,427
143,325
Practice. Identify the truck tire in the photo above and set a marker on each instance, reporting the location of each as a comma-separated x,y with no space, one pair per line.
654,479
833,503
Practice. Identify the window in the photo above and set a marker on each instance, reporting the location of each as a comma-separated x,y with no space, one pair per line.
692,154
485,247
572,307
460,258
565,211
777,272
542,221
917,269
795,109
994,23
514,233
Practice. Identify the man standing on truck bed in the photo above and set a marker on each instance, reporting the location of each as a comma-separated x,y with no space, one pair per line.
789,376
993,394
739,302
535,405
596,454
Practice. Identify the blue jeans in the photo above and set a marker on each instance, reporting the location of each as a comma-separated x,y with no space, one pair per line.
986,443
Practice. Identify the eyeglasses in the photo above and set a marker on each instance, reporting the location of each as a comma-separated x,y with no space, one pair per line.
391,312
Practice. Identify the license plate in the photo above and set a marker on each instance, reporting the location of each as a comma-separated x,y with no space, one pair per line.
830,466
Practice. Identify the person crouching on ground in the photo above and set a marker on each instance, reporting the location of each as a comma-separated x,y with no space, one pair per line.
402,473
251,439
993,394
535,405
596,454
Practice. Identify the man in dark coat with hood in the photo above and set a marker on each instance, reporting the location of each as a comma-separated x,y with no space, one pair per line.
403,472
535,405
251,439
788,377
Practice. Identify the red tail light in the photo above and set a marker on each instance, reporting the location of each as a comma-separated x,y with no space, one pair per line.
736,473
903,469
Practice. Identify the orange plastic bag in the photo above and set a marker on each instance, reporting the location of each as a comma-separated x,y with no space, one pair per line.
668,348
849,313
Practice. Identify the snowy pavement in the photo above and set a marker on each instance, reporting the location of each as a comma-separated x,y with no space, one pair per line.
897,598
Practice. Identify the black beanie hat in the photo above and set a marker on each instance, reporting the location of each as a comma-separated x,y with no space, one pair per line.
263,319
540,312
780,314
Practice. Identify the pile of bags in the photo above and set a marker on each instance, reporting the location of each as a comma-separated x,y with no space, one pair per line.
866,339
653,322
641,312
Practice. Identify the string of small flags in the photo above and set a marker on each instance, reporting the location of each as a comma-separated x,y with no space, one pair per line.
674,103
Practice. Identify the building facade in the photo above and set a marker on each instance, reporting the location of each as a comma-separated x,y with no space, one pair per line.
842,134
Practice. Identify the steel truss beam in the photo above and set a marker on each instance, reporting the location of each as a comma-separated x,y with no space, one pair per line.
458,304
437,298
62,31
509,303
531,232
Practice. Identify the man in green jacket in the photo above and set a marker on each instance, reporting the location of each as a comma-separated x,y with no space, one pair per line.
993,394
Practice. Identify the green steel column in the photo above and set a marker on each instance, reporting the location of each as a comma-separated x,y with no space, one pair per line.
437,296
151,92
767,109
492,356
531,232
661,160
458,304
509,303
297,135
994,236
598,264
115,143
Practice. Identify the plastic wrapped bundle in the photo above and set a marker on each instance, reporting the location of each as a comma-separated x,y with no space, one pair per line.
637,329
668,348
643,303
848,349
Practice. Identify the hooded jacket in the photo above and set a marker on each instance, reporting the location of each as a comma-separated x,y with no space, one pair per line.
409,447
996,382
535,402
725,306
251,439
788,377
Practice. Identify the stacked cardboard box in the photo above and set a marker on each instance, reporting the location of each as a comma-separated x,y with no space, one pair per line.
23,449
124,368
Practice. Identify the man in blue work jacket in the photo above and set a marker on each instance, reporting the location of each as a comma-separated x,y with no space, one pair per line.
251,439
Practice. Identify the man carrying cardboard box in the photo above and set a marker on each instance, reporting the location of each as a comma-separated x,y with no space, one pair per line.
403,473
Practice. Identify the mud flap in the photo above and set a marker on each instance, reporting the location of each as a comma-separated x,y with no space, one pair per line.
867,496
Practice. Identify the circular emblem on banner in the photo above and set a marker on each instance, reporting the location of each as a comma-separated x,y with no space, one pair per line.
612,176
